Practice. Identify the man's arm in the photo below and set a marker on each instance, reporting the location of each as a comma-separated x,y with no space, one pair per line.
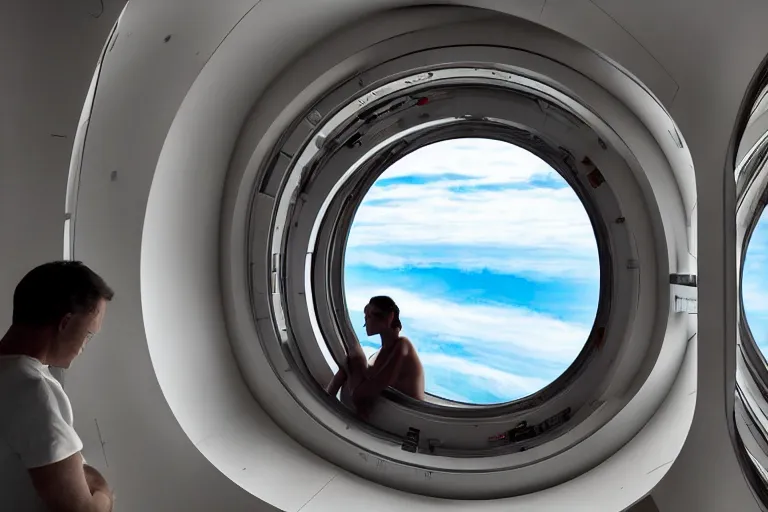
381,375
63,487
336,382
49,448
95,480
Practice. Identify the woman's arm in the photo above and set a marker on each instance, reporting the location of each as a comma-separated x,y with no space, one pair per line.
380,375
336,382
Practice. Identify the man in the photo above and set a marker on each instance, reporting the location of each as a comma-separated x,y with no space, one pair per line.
397,364
57,308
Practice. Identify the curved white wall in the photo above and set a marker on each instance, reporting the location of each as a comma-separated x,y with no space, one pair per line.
185,196
153,464
44,82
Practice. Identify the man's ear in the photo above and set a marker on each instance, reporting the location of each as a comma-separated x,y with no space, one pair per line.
64,321
391,319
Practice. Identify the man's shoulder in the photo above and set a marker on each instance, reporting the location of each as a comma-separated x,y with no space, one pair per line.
13,364
35,416
19,376
22,386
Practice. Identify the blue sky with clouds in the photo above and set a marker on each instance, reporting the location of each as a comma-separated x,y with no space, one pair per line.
492,260
755,283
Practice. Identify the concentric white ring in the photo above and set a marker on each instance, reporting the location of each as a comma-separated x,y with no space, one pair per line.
623,399
310,212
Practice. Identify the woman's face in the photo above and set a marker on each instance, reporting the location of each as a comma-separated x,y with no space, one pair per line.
376,321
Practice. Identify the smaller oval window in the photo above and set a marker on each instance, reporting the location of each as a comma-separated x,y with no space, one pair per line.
754,285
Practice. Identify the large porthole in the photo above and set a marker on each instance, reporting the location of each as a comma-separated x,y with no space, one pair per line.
492,258
315,170
315,140
326,182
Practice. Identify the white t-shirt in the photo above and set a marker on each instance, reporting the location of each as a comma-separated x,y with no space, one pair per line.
36,428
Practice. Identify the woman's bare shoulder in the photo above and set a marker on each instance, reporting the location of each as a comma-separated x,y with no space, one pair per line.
406,343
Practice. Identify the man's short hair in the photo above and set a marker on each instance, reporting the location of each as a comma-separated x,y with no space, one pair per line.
52,290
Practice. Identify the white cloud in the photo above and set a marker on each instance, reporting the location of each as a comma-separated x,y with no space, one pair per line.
473,375
547,230
479,376
449,394
506,352
755,280
755,297
488,161
542,264
487,331
755,285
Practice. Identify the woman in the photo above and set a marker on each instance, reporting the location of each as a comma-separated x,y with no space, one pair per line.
397,364
350,375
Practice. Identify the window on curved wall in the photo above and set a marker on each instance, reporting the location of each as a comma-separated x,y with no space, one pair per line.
755,284
493,262
750,407
78,147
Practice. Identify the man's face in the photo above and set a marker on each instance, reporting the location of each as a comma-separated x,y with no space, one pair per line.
74,332
375,320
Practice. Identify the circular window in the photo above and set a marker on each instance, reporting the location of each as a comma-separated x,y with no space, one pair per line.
492,259
755,284
335,158
534,336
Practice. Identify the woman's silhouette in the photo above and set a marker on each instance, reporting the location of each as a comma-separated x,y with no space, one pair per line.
397,364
